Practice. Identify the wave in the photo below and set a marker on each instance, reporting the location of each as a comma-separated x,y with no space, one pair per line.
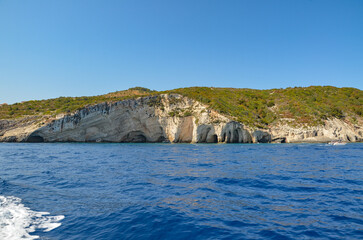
18,221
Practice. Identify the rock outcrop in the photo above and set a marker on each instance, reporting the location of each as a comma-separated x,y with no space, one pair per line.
19,129
333,129
163,118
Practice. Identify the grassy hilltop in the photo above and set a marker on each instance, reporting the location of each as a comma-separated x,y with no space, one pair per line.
258,108
59,105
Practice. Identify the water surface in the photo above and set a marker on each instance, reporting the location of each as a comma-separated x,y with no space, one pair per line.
181,191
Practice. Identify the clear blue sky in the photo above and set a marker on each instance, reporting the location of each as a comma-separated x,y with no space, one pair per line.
76,48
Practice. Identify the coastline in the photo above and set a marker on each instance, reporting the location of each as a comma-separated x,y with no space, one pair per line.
166,118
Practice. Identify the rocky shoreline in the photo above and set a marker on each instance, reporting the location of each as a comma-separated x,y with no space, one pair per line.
164,118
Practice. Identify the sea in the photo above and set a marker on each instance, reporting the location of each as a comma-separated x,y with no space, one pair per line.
180,191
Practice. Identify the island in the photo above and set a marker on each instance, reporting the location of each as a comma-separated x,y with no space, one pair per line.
190,115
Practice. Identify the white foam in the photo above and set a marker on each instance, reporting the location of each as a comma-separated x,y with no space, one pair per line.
18,221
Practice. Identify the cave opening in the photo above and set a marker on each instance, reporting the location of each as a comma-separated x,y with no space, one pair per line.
35,139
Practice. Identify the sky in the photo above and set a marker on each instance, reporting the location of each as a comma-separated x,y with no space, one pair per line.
87,47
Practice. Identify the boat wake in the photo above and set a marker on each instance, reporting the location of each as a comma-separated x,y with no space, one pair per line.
18,221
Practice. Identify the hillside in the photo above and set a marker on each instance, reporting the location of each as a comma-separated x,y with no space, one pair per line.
255,108
260,108
66,104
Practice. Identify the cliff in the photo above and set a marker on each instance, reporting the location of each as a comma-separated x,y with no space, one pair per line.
164,118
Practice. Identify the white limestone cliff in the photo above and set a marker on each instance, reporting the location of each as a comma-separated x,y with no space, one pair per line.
333,129
163,118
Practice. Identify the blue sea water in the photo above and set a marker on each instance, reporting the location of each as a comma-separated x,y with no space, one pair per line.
181,191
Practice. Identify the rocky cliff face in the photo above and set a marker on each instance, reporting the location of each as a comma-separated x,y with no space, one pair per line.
163,118
18,130
334,129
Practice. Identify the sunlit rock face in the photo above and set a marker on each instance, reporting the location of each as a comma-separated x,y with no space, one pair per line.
333,129
164,118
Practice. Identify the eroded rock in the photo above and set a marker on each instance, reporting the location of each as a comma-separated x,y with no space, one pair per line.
163,118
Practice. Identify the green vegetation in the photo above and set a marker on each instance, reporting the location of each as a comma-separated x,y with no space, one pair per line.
177,112
156,102
259,108
66,104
